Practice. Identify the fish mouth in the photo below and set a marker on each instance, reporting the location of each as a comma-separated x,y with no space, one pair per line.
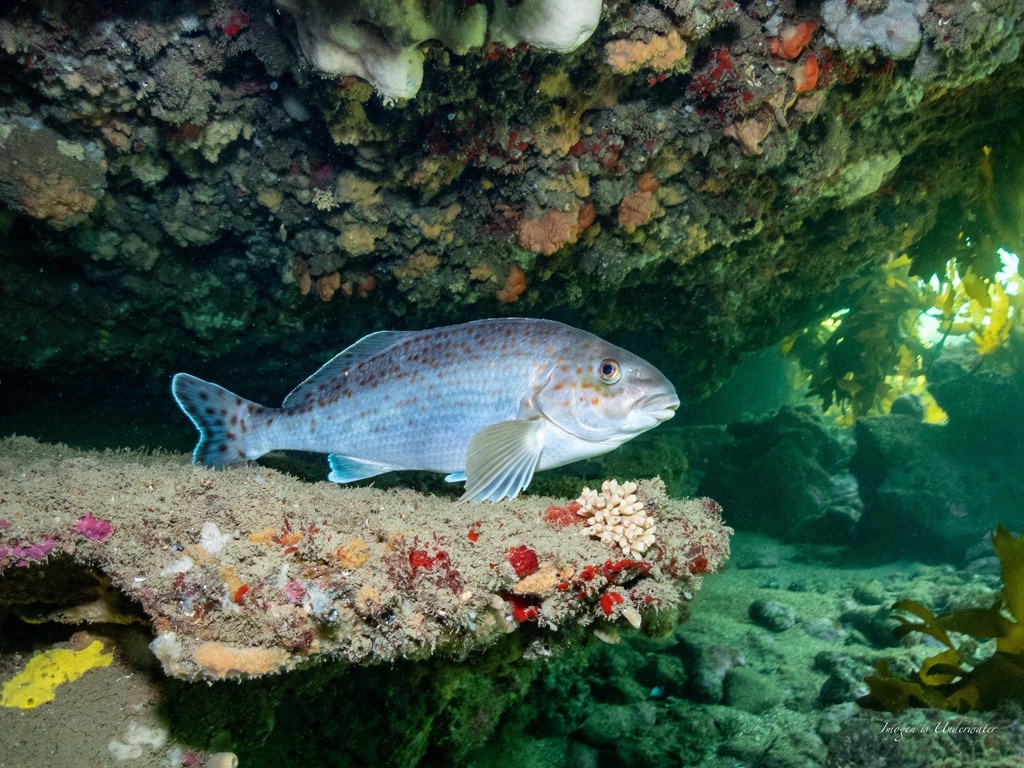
660,406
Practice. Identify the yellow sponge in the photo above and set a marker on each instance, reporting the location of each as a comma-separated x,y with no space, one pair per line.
36,683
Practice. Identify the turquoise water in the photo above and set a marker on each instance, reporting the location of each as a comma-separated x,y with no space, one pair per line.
779,205
767,670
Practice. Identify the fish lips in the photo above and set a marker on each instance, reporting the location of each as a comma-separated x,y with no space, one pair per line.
660,406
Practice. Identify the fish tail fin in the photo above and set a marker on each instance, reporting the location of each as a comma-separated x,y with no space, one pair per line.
224,421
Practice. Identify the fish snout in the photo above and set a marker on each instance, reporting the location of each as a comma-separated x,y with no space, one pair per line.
660,406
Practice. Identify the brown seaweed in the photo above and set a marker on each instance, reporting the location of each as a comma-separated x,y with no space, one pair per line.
955,679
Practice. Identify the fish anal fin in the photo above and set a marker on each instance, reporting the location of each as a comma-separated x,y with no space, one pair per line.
501,459
346,469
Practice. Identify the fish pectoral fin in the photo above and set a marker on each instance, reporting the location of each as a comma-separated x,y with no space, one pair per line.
346,469
501,460
455,477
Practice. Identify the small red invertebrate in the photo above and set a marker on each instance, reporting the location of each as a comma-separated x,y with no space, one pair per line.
287,537
609,568
711,507
609,600
714,75
563,517
523,608
240,594
697,565
235,24
473,535
419,558
523,560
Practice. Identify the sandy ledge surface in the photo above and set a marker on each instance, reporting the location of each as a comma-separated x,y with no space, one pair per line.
248,571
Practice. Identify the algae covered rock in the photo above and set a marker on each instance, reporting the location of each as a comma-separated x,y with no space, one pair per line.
48,177
982,400
935,492
927,494
787,475
702,177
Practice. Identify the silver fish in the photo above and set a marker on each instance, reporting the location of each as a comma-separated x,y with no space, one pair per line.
488,402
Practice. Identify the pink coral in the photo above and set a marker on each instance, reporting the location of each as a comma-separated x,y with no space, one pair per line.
93,528
328,285
24,554
54,197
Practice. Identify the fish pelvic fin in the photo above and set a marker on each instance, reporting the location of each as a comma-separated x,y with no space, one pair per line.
224,421
501,460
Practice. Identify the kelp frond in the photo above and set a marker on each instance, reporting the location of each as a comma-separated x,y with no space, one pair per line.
955,679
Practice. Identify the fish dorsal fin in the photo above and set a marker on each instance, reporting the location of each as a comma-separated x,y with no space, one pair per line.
348,357
501,459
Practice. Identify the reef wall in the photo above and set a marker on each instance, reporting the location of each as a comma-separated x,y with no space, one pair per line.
238,178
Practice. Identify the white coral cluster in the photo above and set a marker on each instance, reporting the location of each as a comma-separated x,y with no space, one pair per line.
380,40
894,29
616,517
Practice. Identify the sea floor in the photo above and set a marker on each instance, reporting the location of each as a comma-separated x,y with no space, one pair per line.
765,673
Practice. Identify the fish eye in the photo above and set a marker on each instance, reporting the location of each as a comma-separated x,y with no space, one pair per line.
608,371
